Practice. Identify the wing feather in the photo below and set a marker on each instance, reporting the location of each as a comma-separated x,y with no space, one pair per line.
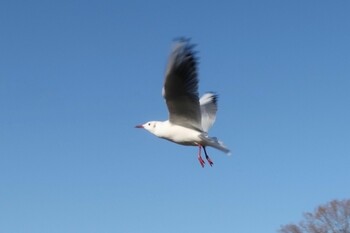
181,86
209,107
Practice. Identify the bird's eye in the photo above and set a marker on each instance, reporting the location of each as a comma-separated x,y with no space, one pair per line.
149,124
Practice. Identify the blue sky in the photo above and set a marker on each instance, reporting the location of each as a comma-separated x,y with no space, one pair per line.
77,76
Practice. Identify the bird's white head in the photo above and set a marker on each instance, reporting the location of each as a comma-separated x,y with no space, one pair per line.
149,126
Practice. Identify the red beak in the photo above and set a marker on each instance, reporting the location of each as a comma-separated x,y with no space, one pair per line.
139,126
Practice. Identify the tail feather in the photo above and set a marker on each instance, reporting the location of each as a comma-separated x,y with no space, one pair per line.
214,142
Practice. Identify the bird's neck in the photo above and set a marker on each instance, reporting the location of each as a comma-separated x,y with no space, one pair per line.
161,129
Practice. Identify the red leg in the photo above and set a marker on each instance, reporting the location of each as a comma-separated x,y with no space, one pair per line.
201,161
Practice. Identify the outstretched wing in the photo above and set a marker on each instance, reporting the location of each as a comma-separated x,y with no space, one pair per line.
209,107
181,86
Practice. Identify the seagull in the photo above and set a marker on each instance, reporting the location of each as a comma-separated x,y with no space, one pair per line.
190,117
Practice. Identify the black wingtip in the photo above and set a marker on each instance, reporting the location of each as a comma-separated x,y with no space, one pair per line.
215,96
186,42
183,49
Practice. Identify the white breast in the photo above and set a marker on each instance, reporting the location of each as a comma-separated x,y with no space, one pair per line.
177,134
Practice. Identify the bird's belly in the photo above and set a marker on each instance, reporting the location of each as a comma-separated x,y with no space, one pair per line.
182,135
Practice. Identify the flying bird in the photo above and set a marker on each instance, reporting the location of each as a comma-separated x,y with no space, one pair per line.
190,117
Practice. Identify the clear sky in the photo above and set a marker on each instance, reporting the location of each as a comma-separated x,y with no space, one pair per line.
77,76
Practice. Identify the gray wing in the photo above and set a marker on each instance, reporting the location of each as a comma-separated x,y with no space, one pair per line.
181,86
209,107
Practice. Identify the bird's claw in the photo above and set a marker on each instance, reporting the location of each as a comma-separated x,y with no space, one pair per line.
201,161
209,161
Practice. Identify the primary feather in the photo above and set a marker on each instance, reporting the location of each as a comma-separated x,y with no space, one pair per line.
181,86
209,107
